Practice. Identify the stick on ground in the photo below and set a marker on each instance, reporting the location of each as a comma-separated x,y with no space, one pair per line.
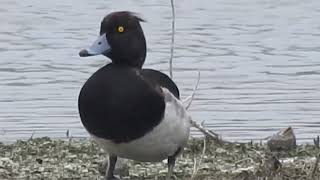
207,133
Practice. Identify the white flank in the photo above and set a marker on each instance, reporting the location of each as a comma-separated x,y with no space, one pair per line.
163,141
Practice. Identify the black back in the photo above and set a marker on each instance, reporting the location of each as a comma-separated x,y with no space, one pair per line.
161,79
117,104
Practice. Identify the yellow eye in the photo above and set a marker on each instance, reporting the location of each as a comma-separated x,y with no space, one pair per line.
120,29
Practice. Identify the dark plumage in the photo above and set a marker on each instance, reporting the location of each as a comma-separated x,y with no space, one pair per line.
131,112
160,79
117,112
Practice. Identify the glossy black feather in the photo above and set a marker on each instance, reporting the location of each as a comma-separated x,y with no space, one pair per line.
117,104
162,80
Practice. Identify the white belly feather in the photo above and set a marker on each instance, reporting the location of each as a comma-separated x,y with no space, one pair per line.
163,141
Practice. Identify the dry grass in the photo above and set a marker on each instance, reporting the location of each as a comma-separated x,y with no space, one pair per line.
44,158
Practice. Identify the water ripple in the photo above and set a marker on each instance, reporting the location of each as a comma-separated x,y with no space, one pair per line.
259,63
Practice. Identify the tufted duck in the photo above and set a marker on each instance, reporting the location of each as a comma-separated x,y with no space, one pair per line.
131,112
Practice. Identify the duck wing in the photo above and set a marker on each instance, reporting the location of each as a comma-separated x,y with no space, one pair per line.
161,79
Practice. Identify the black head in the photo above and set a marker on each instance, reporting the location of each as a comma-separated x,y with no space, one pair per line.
121,39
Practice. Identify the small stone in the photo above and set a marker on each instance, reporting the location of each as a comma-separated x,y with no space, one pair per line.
84,171
39,160
41,169
6,162
220,150
69,167
284,140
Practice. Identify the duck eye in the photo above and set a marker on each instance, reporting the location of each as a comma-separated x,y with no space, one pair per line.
120,29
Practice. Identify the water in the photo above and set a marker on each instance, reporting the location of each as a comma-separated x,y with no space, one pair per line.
259,62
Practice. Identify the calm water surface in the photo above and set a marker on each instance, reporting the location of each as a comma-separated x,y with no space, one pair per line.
259,62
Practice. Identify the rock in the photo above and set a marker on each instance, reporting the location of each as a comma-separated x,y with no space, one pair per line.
6,162
284,140
220,150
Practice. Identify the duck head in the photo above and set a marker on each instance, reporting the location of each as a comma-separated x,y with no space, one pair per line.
121,39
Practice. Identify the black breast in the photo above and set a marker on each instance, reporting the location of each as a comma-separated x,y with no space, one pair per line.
117,104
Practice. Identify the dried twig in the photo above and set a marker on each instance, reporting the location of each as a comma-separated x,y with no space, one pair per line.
31,137
316,141
172,36
243,160
206,132
195,167
68,133
200,127
187,102
315,168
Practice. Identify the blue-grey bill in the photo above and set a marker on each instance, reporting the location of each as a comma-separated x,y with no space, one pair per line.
100,46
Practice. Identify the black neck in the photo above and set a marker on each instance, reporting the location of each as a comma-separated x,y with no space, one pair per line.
131,62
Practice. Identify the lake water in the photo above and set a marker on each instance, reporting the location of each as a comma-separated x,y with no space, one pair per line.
259,62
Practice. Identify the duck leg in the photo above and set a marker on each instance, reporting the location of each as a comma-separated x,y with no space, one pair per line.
112,160
171,163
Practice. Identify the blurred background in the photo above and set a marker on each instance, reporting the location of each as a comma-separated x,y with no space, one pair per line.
259,62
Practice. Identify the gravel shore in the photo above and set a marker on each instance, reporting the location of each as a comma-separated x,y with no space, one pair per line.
45,158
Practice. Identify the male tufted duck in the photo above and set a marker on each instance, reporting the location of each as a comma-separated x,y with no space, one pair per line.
131,112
